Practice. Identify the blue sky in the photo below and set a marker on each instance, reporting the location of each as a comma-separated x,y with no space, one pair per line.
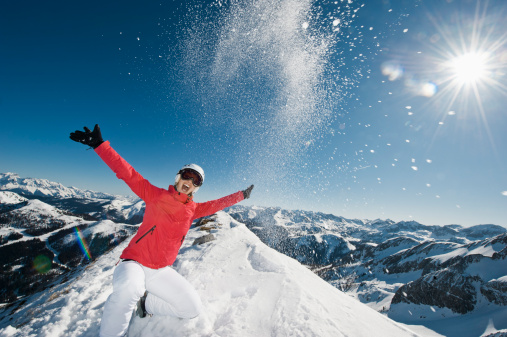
365,109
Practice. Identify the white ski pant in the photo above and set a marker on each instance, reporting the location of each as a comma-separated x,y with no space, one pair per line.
169,294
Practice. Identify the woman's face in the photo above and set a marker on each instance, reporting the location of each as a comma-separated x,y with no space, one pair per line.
185,186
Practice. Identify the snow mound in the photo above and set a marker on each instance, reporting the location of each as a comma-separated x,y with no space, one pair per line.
247,289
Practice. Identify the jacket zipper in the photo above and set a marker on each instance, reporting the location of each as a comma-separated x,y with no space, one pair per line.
148,232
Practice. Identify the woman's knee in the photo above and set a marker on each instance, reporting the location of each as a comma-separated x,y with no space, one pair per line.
129,280
184,306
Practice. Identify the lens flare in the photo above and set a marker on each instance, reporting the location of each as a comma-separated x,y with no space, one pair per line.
42,264
82,243
460,65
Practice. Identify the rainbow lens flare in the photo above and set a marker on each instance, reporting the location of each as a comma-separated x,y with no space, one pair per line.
82,243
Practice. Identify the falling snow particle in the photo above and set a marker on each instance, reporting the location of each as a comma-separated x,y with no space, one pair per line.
414,168
305,25
504,193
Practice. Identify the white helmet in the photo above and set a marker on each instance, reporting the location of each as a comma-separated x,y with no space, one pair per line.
194,167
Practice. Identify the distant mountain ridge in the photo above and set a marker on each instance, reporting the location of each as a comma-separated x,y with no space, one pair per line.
98,205
45,188
48,230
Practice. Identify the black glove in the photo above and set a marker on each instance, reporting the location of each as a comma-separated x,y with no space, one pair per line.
90,138
246,193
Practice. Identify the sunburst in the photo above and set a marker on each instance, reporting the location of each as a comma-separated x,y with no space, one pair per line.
469,63
470,68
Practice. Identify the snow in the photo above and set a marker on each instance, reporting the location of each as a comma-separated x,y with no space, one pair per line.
44,187
247,288
502,279
127,207
489,320
7,197
457,252
488,269
488,250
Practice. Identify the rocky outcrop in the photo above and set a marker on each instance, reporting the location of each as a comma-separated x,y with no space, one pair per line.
442,289
496,291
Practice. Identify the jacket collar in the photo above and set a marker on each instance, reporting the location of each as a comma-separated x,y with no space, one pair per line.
181,197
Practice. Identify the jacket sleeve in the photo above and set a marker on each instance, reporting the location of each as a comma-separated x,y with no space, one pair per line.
213,206
140,186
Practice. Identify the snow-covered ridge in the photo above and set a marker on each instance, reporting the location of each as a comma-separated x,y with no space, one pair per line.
307,222
45,188
9,198
247,289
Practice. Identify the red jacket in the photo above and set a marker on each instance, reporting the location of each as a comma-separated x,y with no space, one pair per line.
167,217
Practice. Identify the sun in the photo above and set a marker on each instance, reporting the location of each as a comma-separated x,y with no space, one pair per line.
463,64
470,68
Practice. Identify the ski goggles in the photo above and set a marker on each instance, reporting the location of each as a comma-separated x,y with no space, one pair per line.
189,174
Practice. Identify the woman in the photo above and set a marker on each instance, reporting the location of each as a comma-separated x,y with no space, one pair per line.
145,264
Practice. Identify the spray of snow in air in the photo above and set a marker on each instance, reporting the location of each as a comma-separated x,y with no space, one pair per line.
266,72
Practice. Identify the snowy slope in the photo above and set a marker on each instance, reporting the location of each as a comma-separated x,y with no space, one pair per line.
247,288
40,244
375,261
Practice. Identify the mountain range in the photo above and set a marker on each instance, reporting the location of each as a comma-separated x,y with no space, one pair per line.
410,272
407,270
